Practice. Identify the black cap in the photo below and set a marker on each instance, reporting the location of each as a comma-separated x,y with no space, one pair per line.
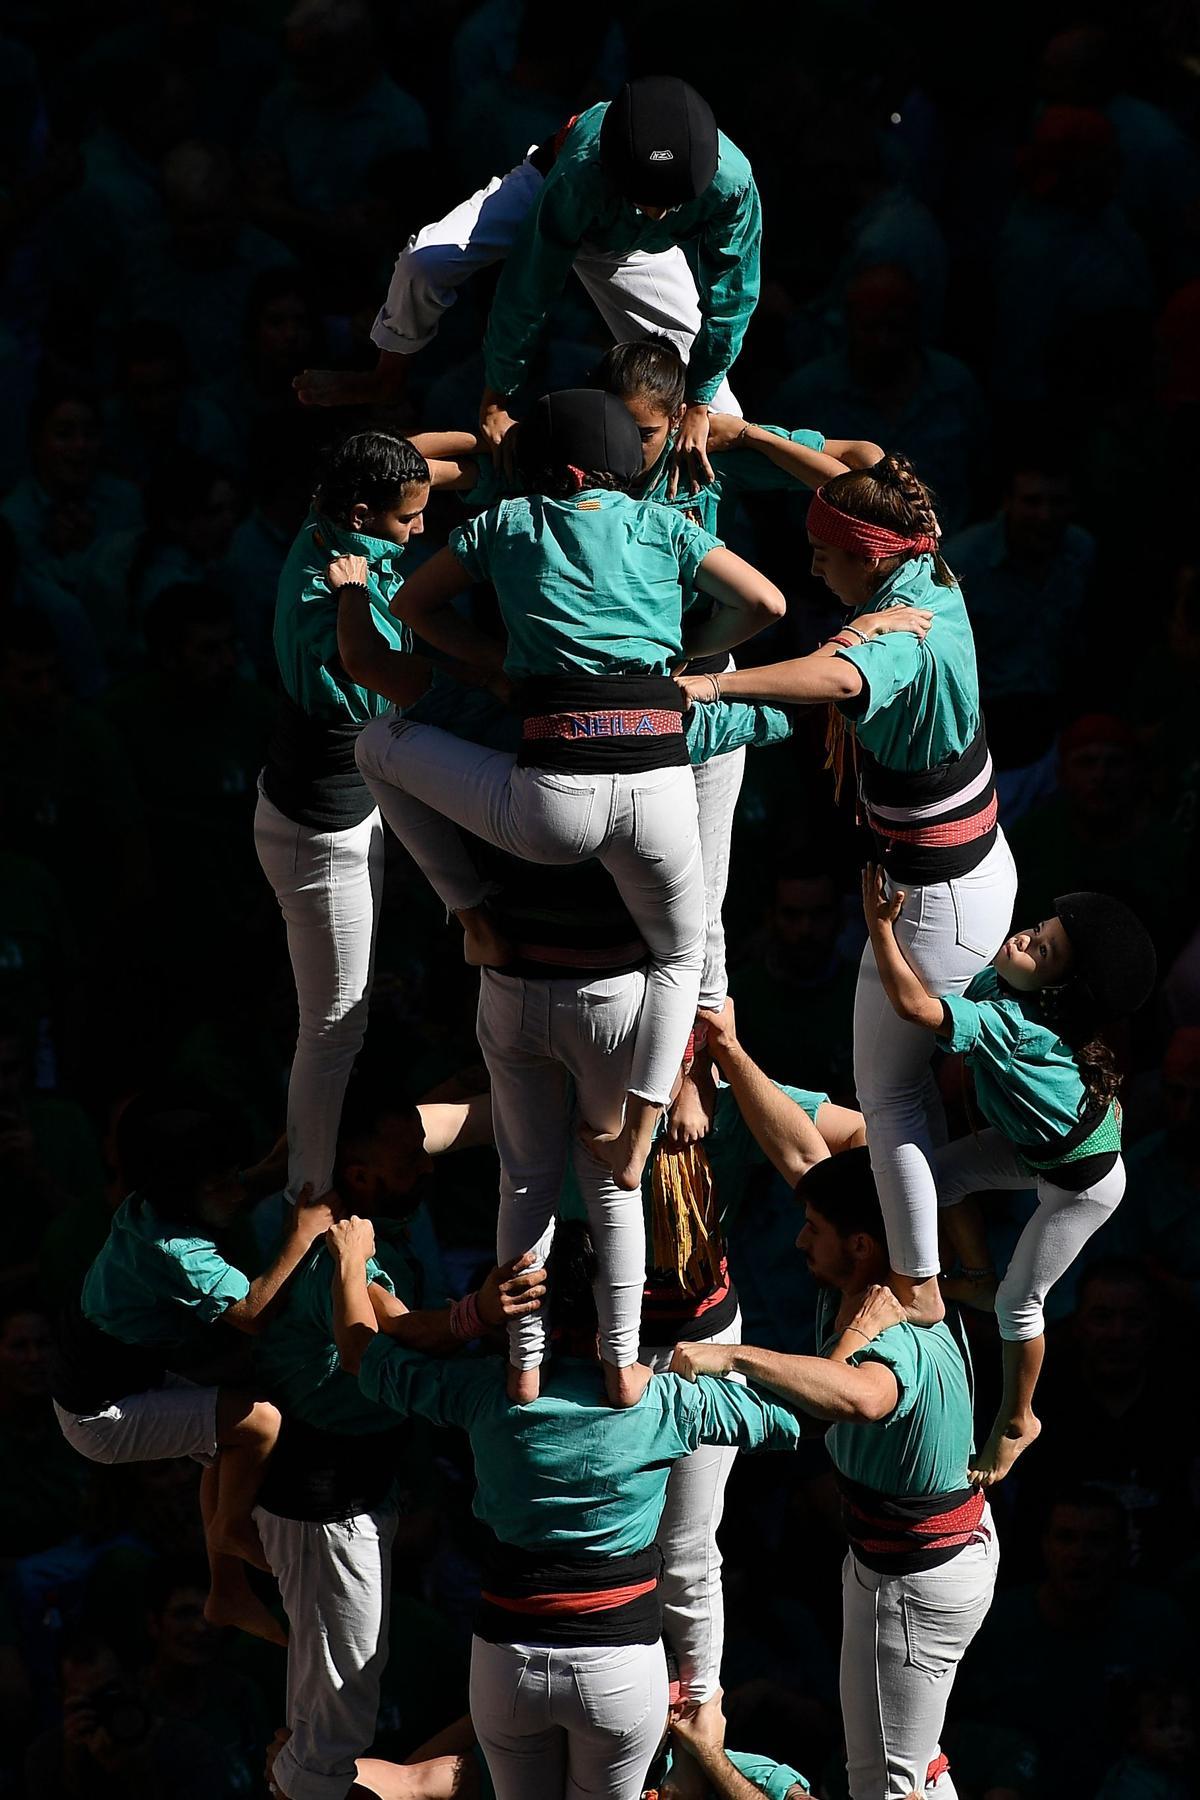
658,142
1113,956
583,428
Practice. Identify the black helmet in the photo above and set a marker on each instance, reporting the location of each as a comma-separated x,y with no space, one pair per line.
658,142
1113,956
583,428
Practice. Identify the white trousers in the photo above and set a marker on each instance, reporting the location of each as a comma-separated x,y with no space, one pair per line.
636,295
642,828
903,1637
580,1724
693,1597
718,784
176,1419
1052,1238
329,885
559,1051
335,1582
948,932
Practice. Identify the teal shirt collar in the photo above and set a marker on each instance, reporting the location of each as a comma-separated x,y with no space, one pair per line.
909,585
380,553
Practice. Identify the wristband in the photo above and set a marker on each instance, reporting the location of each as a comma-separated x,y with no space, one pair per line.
845,642
465,1322
716,687
858,1328
860,635
348,587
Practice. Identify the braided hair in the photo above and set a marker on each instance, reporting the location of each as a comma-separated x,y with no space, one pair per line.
891,494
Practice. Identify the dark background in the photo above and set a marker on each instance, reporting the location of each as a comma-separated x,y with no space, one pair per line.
982,249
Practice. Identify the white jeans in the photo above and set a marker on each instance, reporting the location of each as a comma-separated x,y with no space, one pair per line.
718,784
903,1637
642,828
558,1051
335,1582
329,885
176,1419
635,295
693,1598
580,1724
948,932
1052,1238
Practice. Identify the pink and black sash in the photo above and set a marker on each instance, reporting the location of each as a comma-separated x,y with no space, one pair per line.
931,825
601,724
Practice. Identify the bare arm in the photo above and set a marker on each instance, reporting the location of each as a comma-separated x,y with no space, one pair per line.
746,603
827,1389
856,453
365,653
802,679
456,1124
350,1243
902,985
305,1223
453,458
425,602
811,467
781,1128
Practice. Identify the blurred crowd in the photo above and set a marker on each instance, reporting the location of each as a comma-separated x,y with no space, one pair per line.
982,250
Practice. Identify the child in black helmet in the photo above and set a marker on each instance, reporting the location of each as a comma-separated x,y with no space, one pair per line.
1030,1029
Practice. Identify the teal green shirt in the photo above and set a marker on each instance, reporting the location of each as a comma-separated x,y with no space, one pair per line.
306,620
921,695
594,585
157,1282
924,1444
735,472
297,1359
570,1469
577,207
1027,1081
775,1779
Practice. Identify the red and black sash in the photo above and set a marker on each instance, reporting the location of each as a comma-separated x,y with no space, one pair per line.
536,1597
906,1534
931,825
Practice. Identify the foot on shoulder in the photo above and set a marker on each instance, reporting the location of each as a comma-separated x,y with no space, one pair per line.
977,1289
1009,1439
240,1539
626,1386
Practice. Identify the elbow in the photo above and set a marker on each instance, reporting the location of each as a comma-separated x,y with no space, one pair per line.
350,1357
845,680
863,454
771,604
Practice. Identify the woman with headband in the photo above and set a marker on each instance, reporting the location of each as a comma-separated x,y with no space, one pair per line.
906,710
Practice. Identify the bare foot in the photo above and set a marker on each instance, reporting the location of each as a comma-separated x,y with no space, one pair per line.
1008,1439
624,1157
626,1386
978,1291
245,1612
921,1299
484,946
691,1114
523,1385
240,1539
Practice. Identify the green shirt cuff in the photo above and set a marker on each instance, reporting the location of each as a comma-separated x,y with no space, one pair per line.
964,1023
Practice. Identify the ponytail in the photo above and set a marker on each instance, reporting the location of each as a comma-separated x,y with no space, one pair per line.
1068,1012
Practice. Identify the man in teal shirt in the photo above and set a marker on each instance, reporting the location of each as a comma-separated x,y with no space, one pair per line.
572,1490
897,1403
656,211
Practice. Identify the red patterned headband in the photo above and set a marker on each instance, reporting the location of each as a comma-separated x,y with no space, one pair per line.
829,525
